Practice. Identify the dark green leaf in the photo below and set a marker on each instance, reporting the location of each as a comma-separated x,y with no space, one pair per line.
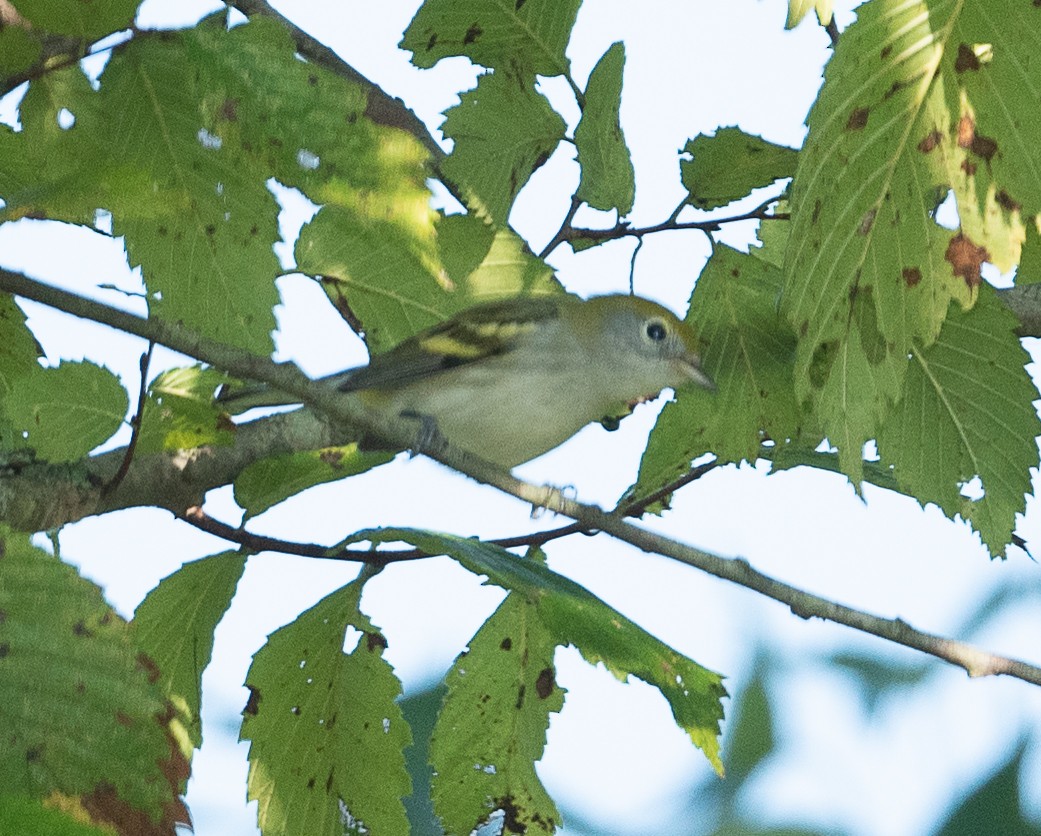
608,180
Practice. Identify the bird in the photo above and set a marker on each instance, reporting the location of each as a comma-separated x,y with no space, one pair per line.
511,379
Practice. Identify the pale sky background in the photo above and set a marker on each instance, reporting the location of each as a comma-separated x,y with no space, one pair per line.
614,753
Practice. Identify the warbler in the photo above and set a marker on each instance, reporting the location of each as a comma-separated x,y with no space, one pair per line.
509,380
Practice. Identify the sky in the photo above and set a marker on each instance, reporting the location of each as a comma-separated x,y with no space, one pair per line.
691,67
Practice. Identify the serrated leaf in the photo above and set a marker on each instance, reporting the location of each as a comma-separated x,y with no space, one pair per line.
730,165
576,616
18,348
503,131
748,351
268,481
326,735
79,714
174,625
966,412
530,35
207,116
608,180
898,122
65,412
180,412
492,725
374,273
798,9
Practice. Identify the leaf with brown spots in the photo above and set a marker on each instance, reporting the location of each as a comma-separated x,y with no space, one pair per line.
82,719
327,740
966,259
492,725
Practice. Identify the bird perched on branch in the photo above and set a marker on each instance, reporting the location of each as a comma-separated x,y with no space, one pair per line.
510,380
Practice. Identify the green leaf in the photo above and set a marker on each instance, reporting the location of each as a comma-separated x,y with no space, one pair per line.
995,801
268,481
207,117
893,128
79,714
326,735
751,737
18,348
503,131
492,726
66,411
388,291
19,50
966,412
530,35
748,351
728,166
375,274
180,412
506,266
575,616
66,17
608,180
798,9
174,625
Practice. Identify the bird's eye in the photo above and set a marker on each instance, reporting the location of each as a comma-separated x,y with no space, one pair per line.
656,330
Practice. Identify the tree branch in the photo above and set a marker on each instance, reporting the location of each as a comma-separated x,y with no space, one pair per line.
974,661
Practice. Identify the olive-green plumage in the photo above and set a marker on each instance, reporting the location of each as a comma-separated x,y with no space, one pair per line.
513,379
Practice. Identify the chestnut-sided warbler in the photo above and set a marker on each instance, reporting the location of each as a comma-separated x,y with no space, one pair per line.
510,380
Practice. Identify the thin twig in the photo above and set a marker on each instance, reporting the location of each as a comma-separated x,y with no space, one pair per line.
135,423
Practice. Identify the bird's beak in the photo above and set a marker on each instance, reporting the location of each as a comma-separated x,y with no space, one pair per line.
691,366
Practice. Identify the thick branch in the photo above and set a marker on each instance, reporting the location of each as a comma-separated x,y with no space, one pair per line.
976,662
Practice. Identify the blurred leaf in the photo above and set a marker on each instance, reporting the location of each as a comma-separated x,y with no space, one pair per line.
19,50
876,676
575,616
492,726
24,816
798,9
608,180
507,269
959,390
174,625
79,714
503,131
420,711
268,481
730,165
66,411
180,411
994,807
750,734
530,35
68,17
326,735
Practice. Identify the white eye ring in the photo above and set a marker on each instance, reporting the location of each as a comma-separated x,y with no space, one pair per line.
655,330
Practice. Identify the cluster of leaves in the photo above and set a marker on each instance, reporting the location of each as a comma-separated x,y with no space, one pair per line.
866,320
